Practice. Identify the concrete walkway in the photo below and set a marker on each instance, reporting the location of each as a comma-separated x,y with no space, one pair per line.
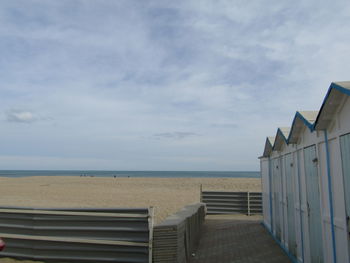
237,239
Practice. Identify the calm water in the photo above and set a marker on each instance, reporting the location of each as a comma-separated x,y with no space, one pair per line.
165,174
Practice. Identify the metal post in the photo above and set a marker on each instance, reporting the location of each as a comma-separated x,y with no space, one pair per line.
150,227
248,204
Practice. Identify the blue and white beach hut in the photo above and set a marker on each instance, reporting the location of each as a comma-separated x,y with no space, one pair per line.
306,181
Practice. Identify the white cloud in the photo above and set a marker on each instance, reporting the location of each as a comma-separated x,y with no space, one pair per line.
20,116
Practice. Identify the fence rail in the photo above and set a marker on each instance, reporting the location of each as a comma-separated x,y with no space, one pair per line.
175,238
77,235
218,202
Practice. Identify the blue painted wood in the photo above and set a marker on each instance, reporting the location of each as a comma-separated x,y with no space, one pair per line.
313,203
283,195
289,170
345,156
301,213
276,183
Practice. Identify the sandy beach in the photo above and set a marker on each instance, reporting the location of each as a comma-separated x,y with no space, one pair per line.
166,195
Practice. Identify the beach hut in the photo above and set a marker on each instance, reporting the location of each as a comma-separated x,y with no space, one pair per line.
305,173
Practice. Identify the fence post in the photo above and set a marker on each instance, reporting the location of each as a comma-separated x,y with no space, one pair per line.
201,195
248,204
150,227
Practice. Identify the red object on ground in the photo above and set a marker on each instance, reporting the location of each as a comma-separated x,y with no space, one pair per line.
2,244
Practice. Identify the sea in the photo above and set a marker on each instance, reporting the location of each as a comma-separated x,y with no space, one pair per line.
159,174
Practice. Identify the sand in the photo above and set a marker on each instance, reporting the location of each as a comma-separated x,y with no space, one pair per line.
166,195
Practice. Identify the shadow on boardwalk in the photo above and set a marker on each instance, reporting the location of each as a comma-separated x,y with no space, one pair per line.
237,239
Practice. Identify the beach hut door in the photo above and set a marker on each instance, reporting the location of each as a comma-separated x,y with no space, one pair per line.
313,204
345,156
290,203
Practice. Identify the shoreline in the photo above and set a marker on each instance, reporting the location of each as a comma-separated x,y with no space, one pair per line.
138,174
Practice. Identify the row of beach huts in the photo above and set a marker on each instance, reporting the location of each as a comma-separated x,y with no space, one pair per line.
306,181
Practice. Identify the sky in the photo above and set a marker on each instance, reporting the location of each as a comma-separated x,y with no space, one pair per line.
161,85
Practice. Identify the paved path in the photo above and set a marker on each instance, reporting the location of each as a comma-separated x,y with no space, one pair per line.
232,239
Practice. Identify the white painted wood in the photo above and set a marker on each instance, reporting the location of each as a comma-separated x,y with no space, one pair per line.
339,125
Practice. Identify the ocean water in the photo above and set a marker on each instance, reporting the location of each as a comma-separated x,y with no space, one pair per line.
160,174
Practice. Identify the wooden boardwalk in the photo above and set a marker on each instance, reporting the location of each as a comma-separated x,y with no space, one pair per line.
237,239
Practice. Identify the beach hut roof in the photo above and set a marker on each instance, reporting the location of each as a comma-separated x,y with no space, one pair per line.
301,120
268,146
271,140
313,120
281,137
334,98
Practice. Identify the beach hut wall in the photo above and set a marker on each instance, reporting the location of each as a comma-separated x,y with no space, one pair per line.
306,181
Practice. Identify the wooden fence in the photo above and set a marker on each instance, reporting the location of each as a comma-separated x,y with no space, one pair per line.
218,202
176,237
77,235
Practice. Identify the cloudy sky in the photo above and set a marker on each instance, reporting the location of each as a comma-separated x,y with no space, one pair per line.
160,85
